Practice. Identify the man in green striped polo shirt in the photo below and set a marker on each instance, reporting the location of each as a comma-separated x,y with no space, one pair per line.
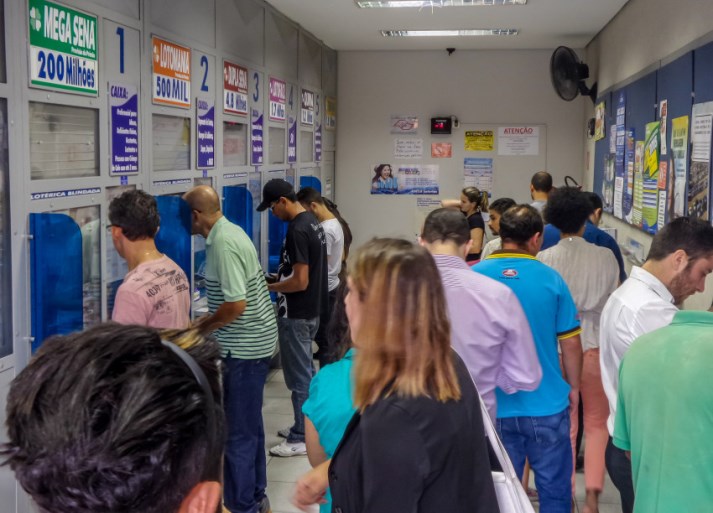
243,320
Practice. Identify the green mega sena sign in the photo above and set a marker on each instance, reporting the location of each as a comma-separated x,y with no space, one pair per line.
63,48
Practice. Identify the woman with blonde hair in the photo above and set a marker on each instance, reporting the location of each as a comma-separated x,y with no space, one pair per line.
417,441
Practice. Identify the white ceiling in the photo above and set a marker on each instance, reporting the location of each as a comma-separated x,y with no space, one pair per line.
543,24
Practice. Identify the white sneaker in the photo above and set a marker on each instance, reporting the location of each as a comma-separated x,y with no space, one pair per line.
287,449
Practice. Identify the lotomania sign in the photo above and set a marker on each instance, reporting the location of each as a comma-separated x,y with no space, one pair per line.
171,66
63,48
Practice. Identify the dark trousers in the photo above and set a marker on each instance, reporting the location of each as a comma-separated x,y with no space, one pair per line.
245,467
325,352
619,468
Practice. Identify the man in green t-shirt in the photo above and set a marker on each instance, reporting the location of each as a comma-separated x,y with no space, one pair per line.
243,320
664,415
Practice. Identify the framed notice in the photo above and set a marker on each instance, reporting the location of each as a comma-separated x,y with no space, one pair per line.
171,65
63,48
235,89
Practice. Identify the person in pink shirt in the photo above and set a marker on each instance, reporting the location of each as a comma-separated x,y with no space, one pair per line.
155,291
489,329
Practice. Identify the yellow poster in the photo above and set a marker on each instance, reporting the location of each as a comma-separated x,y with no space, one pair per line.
479,140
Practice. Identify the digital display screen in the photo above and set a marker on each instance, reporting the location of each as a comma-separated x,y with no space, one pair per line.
440,125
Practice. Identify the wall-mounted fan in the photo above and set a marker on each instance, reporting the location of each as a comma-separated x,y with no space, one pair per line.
568,74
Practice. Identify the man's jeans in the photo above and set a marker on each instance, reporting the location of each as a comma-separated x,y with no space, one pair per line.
619,468
545,442
244,466
296,337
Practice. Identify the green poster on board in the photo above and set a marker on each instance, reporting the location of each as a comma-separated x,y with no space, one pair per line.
63,48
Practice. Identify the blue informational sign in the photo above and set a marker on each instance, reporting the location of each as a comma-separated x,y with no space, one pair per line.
292,140
124,129
206,133
256,135
318,143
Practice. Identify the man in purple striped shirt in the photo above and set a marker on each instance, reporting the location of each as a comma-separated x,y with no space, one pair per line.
489,329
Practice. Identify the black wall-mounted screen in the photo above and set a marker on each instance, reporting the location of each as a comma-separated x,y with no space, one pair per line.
441,125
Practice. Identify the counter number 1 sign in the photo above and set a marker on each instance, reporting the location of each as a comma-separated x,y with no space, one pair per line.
63,48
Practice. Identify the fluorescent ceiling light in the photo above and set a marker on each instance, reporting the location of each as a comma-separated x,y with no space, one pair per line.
376,4
449,33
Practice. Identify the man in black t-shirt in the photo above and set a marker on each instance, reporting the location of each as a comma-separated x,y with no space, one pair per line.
302,295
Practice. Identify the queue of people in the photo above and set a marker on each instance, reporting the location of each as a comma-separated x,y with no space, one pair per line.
153,413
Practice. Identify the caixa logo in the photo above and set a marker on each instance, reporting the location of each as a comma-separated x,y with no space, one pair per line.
509,273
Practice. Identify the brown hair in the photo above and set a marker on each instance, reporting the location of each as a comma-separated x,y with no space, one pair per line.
404,347
475,195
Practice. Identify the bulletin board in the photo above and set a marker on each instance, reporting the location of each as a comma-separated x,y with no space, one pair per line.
652,184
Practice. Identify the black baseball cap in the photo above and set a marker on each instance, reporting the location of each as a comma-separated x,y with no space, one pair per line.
274,189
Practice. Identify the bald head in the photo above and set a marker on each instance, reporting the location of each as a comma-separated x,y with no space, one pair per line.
204,199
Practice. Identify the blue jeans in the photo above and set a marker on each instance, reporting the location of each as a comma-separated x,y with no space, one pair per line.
245,468
545,442
296,337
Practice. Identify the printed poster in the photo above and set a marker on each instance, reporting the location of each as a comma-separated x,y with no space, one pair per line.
171,65
441,150
205,133
663,117
408,179
608,184
63,48
599,125
612,139
679,152
307,107
518,140
478,172
649,210
479,140
292,140
638,203
124,129
235,89
404,124
663,193
629,163
278,100
410,148
330,109
620,134
699,178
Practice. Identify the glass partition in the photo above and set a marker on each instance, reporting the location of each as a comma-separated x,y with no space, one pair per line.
171,143
64,272
235,146
116,267
174,237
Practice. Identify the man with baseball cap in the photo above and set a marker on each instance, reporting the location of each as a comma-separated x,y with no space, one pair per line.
301,288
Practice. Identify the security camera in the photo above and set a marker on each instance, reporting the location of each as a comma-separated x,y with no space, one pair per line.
450,50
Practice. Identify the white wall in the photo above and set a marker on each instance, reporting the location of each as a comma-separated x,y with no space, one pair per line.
642,35
489,87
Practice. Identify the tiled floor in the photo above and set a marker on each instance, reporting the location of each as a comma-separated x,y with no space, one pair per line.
282,473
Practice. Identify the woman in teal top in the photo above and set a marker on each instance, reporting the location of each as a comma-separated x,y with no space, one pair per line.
327,411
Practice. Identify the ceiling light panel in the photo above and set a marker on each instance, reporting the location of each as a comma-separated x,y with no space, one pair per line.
449,33
381,4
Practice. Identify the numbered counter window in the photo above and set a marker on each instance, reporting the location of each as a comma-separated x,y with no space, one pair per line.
235,144
171,143
306,146
276,149
63,141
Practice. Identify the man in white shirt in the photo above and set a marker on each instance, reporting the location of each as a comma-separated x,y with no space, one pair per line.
312,201
680,258
540,188
592,274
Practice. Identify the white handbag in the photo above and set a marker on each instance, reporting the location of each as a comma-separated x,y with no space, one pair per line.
511,495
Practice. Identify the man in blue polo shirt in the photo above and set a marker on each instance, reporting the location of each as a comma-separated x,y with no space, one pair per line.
535,425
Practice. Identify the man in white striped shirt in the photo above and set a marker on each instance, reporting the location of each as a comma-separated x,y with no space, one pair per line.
243,320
